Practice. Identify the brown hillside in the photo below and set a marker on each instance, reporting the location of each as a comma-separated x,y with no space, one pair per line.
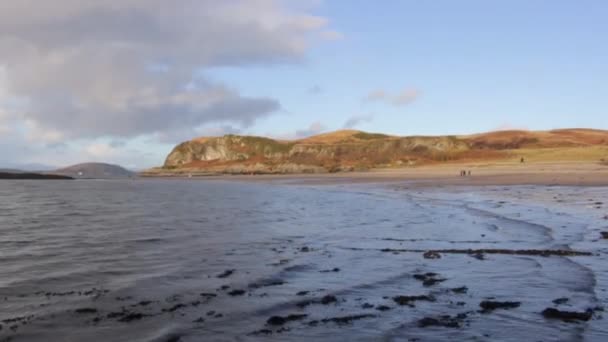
352,150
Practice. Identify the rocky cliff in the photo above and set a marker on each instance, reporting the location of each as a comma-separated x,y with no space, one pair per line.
355,150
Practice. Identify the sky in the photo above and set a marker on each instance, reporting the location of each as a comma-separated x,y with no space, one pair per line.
123,81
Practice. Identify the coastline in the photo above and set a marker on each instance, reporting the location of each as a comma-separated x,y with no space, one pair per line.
548,173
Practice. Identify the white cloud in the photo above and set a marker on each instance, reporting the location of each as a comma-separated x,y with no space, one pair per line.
80,70
133,67
401,98
356,120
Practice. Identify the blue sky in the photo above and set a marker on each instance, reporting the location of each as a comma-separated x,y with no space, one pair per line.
292,68
479,65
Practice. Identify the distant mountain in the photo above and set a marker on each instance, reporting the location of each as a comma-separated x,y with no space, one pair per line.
94,171
355,150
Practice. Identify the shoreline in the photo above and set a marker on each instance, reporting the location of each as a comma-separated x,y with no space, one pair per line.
550,174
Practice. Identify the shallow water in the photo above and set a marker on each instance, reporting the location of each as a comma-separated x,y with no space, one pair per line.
146,260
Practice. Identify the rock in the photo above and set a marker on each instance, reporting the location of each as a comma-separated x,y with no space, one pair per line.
266,283
604,235
553,313
328,299
407,300
559,301
442,321
332,270
86,311
174,308
478,256
429,279
305,249
366,306
133,316
462,289
226,274
236,293
346,319
488,305
279,320
302,293
383,308
431,255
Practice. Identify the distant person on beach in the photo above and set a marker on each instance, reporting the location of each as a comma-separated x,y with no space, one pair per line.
469,172
522,160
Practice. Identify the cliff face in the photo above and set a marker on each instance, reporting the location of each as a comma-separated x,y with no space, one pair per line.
354,150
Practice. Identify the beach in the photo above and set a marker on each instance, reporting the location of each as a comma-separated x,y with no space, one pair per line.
386,255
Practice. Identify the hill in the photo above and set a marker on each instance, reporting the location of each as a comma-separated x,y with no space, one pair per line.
349,150
94,171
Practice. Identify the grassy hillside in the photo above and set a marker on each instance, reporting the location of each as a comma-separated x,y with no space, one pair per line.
348,150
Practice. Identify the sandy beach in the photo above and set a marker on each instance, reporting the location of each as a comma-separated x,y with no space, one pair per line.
549,173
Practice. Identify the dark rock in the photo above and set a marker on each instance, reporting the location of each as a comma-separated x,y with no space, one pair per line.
346,319
407,300
532,252
367,306
279,320
304,303
174,339
429,279
488,305
305,249
559,301
431,255
199,320
236,293
567,315
328,299
262,332
302,293
133,316
116,314
604,235
478,256
208,295
174,308
383,308
433,281
462,289
86,311
266,283
332,270
226,274
442,321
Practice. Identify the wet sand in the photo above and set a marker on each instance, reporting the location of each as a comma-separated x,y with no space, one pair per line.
557,173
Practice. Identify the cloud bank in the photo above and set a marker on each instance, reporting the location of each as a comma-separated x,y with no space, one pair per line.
86,69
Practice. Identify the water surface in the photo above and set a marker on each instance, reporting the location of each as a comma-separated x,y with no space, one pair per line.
147,260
